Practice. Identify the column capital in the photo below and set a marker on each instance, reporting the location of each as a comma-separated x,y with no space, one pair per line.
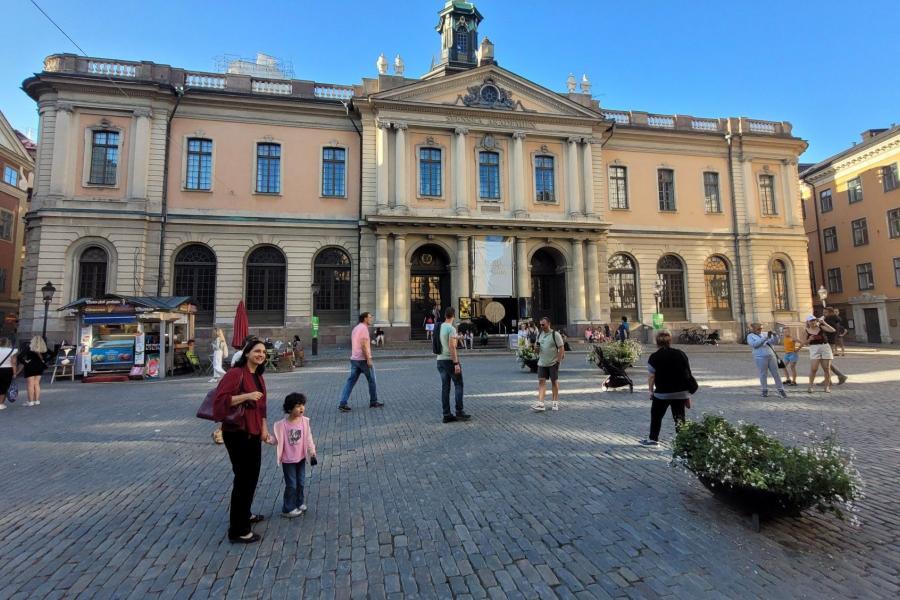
519,135
382,124
400,236
587,141
591,242
399,126
143,112
461,131
64,106
573,139
463,237
381,236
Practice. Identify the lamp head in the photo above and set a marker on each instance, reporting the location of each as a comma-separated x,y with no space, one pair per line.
823,293
47,291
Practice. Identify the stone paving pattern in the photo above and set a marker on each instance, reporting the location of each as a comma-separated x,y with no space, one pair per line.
116,491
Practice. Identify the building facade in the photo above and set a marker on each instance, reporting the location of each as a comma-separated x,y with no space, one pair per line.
851,203
470,186
17,167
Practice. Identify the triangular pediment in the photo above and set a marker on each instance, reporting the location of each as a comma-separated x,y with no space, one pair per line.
488,88
10,141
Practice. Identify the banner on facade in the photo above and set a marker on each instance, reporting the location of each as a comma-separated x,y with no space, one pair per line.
492,266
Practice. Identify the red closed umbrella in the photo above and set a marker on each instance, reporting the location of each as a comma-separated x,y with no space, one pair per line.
241,326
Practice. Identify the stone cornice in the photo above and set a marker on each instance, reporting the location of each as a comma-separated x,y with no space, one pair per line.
414,223
859,159
467,112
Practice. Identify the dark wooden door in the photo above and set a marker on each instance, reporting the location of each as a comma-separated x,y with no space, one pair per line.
873,325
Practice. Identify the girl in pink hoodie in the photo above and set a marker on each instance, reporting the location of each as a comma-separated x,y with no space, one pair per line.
293,445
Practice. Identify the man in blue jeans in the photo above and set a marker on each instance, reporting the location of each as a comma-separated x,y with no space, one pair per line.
360,363
448,367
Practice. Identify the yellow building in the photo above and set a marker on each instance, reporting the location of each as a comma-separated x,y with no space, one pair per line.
851,202
468,186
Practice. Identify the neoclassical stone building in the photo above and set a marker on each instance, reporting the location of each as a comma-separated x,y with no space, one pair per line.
467,186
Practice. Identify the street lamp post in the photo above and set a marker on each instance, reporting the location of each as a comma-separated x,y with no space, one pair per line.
315,319
823,295
48,290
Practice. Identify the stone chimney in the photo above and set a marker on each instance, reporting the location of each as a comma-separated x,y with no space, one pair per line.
486,53
868,134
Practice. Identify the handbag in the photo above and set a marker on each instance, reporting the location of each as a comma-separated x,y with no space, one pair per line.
778,358
12,394
207,410
693,386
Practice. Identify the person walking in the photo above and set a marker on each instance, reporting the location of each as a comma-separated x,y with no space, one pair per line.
450,370
766,360
33,366
293,446
839,338
551,352
219,348
819,350
244,386
791,346
360,363
623,333
671,385
834,321
8,368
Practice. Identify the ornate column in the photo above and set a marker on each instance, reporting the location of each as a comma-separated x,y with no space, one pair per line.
382,175
572,188
577,302
401,185
140,154
462,268
788,198
401,281
523,281
587,175
60,164
460,185
593,281
518,193
382,286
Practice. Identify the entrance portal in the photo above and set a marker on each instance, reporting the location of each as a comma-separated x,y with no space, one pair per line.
429,287
548,286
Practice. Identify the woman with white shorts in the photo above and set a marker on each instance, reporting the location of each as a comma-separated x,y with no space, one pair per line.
819,350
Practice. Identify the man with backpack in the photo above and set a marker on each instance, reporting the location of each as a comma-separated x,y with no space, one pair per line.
443,344
551,352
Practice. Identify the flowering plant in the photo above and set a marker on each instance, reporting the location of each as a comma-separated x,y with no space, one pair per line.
620,354
525,355
745,458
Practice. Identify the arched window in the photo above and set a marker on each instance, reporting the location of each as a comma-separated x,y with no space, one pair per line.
195,276
622,286
718,290
265,286
780,285
670,271
92,266
332,274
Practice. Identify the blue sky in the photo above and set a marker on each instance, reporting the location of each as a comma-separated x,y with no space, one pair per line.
828,67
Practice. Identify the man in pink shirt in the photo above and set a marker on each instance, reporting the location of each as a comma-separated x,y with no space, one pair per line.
360,363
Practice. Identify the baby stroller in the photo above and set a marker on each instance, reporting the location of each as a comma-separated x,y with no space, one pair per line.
617,377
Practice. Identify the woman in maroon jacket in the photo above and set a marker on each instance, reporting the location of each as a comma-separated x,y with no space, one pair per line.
245,385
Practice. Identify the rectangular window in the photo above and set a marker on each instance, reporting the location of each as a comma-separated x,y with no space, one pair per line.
543,178
893,216
268,168
199,164
666,185
897,272
860,232
835,284
6,225
334,169
430,172
10,176
489,175
889,177
104,158
812,276
2,280
829,234
618,187
825,201
711,192
854,191
767,195
864,276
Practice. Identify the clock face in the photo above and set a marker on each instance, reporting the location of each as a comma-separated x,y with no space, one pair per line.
489,94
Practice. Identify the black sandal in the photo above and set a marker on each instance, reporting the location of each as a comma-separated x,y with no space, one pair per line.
254,537
257,518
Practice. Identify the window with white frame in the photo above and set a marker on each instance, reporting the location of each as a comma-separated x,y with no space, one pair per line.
544,178
618,187
829,235
854,191
6,225
767,195
665,179
889,177
711,192
10,175
104,157
199,164
865,277
334,171
430,172
893,217
897,272
268,168
835,283
825,204
489,175
860,232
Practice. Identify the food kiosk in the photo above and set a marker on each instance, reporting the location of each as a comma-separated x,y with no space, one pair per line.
137,335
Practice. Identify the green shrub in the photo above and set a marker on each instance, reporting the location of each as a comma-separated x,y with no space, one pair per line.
526,354
821,475
620,354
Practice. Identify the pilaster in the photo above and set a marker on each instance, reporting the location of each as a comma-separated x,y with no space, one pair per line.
401,282
382,286
573,203
382,174
460,185
587,176
577,302
523,281
517,176
140,155
62,163
400,183
593,281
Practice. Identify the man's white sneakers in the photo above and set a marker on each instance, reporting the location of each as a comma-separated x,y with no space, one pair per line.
538,407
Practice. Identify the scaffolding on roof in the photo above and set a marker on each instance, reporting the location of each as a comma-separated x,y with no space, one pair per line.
264,66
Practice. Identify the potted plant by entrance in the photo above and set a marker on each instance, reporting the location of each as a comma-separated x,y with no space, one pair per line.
527,357
756,472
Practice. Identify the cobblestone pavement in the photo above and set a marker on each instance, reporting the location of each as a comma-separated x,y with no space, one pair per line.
116,490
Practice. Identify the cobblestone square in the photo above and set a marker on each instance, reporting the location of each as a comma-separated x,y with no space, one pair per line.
117,491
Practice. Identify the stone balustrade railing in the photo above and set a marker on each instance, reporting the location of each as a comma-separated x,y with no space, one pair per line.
262,86
688,123
112,69
205,81
662,121
332,91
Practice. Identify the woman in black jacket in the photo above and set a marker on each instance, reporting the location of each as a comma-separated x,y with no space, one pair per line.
671,385
33,366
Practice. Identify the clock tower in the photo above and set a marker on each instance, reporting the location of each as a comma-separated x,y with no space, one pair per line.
458,25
